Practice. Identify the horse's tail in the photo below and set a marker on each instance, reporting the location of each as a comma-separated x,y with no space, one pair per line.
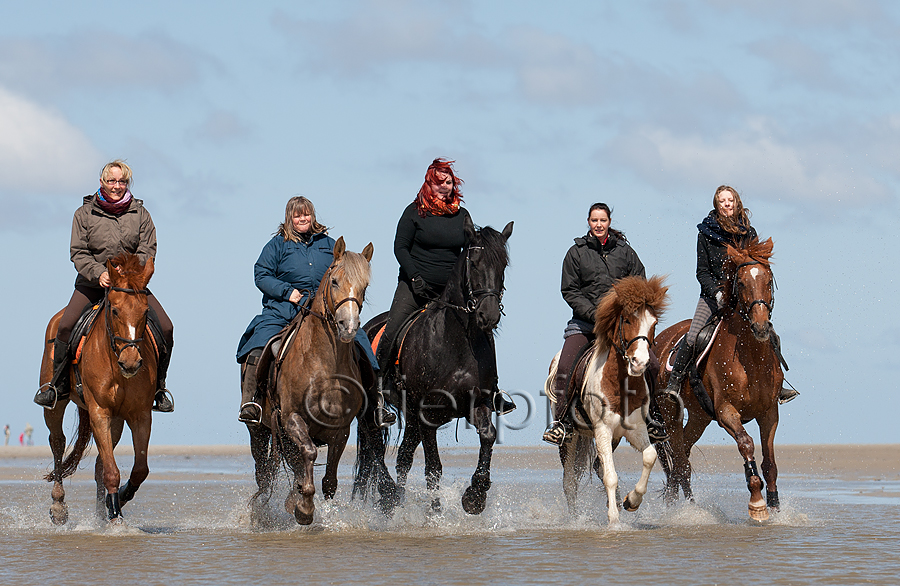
270,466
77,448
370,445
665,455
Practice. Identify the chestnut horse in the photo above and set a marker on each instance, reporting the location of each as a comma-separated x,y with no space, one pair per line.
742,377
118,370
614,395
317,392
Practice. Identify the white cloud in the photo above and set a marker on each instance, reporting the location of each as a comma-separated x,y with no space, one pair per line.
40,151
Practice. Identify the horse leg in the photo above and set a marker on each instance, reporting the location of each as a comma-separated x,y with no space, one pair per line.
371,467
603,439
260,440
412,436
433,467
638,433
329,479
300,500
694,429
140,437
475,496
107,431
59,510
768,423
568,457
730,420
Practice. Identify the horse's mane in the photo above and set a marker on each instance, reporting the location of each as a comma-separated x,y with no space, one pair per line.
495,254
755,250
128,272
356,268
627,296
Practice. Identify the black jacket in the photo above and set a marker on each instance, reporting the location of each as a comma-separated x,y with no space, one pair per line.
590,269
711,242
428,247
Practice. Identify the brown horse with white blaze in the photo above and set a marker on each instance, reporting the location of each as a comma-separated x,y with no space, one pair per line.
614,395
118,372
317,392
742,377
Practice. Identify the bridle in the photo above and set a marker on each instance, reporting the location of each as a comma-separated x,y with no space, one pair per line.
622,347
770,306
474,297
113,339
329,316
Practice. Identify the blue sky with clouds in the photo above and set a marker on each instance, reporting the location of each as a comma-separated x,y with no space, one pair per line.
225,110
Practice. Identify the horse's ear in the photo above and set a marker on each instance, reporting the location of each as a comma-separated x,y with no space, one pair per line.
507,231
149,268
113,268
367,252
469,229
339,248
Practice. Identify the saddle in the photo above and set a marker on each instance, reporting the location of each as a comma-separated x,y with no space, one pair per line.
401,335
269,362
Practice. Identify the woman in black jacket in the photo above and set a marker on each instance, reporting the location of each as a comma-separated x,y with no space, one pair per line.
727,223
430,236
592,265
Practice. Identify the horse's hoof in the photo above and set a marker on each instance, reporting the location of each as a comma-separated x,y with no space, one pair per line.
630,506
59,513
473,501
759,512
303,518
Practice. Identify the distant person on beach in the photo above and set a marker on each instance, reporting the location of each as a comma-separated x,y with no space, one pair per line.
109,222
427,244
727,224
287,272
6,433
28,433
590,268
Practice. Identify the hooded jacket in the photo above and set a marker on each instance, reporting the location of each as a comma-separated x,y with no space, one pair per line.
590,269
98,236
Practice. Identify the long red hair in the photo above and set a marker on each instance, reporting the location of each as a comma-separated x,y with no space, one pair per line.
427,201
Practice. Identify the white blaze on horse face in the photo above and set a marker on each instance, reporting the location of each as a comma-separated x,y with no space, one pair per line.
754,272
640,351
131,331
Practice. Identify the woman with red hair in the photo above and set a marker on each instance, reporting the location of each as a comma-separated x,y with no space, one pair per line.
428,241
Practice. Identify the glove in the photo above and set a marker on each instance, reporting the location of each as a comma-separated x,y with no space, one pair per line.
720,299
421,288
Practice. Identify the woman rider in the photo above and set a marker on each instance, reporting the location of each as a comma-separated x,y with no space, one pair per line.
109,222
727,223
591,266
288,272
428,241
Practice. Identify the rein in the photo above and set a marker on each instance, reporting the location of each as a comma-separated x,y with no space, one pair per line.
474,296
113,339
329,316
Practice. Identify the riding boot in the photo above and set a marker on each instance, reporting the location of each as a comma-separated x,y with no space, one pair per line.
251,397
563,426
163,401
501,402
679,370
655,429
58,388
384,417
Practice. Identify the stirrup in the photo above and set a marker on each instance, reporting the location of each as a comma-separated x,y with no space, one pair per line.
248,418
656,431
57,396
787,395
505,405
557,433
164,403
384,417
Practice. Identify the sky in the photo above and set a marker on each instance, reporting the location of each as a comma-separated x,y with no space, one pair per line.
226,110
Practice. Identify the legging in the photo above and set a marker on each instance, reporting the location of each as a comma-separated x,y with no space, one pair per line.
84,296
705,308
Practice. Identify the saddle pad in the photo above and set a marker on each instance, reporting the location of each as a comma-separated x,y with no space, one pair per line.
403,331
670,361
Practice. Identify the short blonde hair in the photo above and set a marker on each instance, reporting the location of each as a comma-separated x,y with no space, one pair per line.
121,165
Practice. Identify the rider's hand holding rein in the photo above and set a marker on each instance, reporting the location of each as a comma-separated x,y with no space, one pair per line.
104,280
296,297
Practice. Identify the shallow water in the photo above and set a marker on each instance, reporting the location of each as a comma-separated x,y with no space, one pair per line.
190,524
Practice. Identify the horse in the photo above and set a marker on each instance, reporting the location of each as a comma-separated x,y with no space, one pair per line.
741,380
118,369
614,394
446,370
316,392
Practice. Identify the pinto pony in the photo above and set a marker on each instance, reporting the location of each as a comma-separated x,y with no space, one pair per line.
118,370
614,396
317,392
742,378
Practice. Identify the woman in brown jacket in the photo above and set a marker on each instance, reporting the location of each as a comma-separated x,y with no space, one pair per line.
111,221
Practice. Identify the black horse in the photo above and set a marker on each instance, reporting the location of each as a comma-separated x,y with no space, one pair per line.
447,370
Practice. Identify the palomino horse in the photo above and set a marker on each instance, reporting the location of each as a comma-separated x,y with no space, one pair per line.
118,370
742,377
614,394
317,393
447,370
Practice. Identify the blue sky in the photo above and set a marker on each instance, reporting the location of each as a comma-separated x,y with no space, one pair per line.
225,111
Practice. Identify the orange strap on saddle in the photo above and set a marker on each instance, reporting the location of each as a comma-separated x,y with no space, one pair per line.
403,332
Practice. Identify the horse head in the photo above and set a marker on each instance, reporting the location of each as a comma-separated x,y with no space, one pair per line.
626,319
752,285
486,258
126,309
343,288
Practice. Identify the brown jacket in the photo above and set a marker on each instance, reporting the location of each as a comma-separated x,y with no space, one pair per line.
98,236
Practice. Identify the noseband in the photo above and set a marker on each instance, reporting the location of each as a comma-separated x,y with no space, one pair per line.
476,296
329,312
734,293
113,339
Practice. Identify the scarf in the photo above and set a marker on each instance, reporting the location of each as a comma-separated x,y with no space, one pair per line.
115,208
435,206
710,227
